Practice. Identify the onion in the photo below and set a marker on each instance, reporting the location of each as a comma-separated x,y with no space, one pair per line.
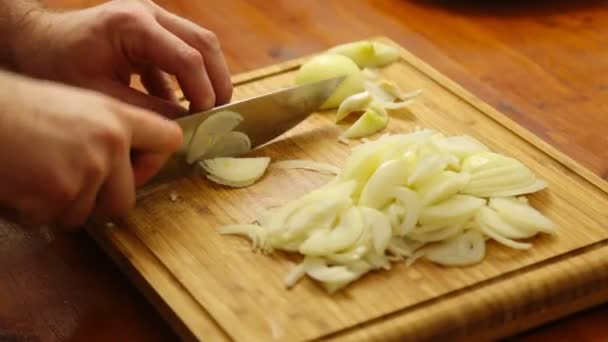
458,207
401,196
307,165
466,249
489,217
522,215
354,103
493,174
377,191
209,132
327,66
232,144
367,53
442,186
373,120
235,172
340,238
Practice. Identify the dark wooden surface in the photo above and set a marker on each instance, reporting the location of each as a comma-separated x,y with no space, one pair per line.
544,63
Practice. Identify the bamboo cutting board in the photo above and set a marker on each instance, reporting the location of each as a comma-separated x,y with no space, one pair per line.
214,288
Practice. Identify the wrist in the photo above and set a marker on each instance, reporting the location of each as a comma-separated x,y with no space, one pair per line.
15,17
28,41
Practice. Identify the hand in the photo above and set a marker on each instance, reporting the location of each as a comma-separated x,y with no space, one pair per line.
66,152
100,47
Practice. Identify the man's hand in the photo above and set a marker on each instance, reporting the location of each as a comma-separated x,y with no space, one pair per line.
65,152
100,47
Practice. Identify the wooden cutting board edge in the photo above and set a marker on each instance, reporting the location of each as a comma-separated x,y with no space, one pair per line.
583,280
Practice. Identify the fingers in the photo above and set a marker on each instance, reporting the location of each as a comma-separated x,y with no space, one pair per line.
145,166
84,204
157,83
207,44
156,45
150,132
134,97
117,195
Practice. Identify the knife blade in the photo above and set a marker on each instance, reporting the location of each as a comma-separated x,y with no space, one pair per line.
265,117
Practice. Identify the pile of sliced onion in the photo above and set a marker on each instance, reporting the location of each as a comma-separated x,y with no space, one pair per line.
403,197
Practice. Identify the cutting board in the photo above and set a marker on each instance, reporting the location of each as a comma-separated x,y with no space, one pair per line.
214,288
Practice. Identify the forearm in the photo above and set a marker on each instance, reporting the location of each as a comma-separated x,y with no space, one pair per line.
14,16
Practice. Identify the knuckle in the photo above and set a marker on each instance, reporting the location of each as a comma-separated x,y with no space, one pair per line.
64,191
126,12
123,14
95,167
209,101
191,57
113,139
208,40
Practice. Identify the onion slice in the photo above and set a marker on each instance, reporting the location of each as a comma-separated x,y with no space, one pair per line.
235,172
307,165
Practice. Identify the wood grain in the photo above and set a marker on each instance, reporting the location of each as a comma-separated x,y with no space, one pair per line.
237,286
540,62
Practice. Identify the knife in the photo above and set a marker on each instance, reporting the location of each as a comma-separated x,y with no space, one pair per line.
265,117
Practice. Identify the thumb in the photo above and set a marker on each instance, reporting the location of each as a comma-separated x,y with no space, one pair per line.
137,98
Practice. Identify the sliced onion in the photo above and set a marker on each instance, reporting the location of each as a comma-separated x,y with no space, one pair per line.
463,250
380,228
354,103
461,146
400,196
442,186
232,144
377,191
489,231
209,132
522,215
340,238
373,120
307,165
409,200
488,216
235,172
493,174
455,209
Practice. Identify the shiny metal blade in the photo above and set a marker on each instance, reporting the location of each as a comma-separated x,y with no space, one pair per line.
265,117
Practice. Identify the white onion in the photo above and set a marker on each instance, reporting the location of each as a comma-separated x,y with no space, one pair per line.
401,196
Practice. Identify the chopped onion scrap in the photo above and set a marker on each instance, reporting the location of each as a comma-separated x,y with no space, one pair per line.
401,198
307,165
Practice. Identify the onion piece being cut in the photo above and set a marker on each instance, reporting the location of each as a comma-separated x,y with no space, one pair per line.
232,144
326,66
209,132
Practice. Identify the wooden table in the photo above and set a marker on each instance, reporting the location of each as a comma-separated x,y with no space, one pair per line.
544,63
